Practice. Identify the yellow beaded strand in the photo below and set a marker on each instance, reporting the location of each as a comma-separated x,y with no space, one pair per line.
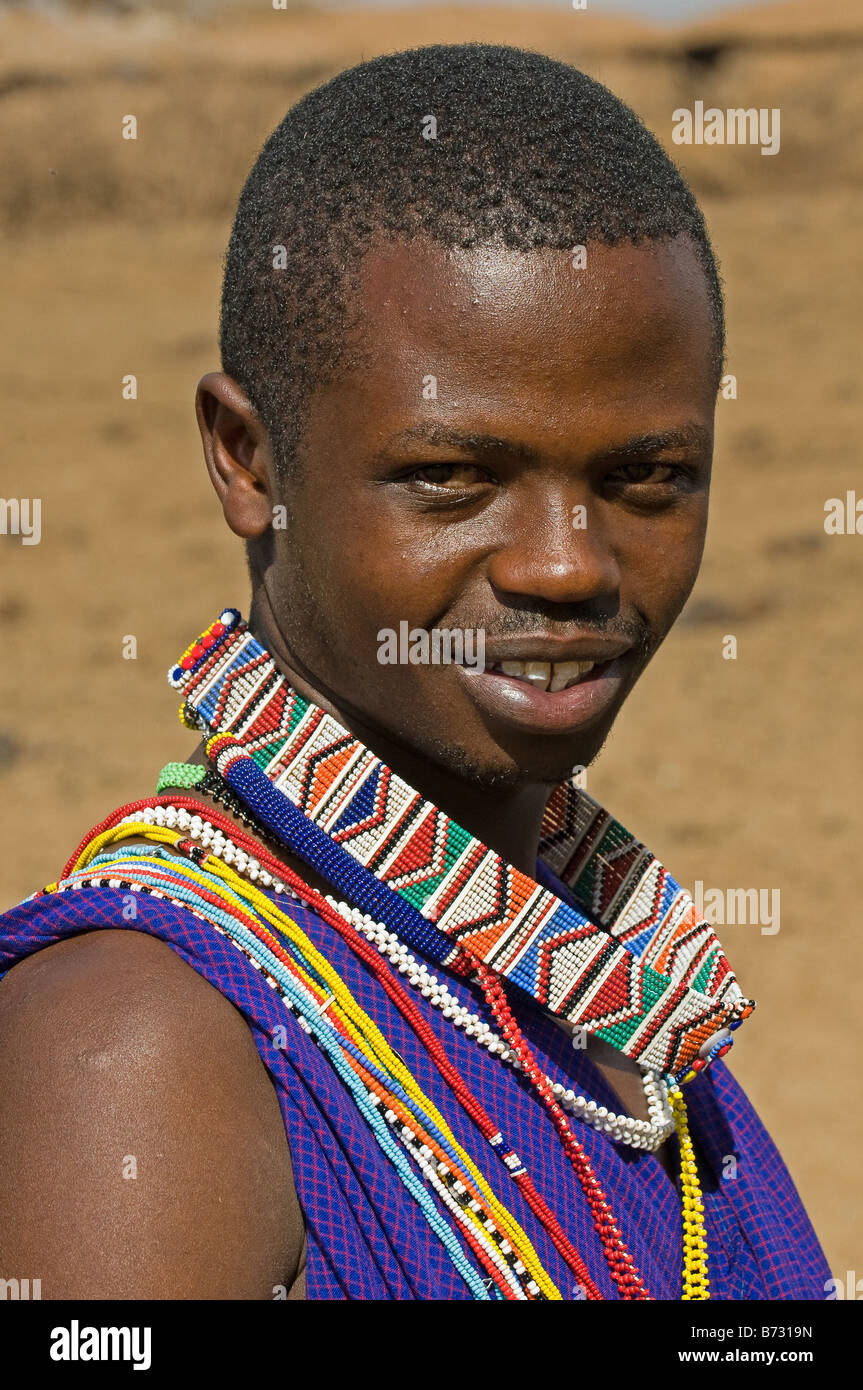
696,1285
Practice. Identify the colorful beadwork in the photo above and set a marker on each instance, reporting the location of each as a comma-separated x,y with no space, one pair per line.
180,775
696,1284
619,1260
239,852
643,971
386,1094
292,771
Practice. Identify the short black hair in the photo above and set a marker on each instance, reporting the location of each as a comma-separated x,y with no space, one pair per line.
528,150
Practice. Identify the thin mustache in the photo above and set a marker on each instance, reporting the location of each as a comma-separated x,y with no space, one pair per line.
637,636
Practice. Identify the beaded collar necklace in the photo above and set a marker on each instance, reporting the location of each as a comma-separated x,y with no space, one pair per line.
634,964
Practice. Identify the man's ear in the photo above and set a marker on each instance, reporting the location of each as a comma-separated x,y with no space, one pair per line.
237,453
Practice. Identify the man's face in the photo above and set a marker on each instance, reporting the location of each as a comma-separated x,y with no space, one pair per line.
549,487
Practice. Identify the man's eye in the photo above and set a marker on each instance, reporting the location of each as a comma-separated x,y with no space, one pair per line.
643,473
454,476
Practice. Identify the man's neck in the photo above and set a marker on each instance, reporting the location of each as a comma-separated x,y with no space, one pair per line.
508,820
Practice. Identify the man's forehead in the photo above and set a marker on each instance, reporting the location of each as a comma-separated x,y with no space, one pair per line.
494,342
423,286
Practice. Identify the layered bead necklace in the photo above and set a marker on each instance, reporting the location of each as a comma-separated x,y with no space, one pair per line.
401,1118
648,1135
638,967
252,859
643,971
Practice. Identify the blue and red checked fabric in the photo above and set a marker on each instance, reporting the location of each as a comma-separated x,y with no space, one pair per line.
367,1238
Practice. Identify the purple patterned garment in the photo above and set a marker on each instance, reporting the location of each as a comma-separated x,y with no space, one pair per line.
367,1238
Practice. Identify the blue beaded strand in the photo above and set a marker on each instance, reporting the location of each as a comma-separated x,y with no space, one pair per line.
334,864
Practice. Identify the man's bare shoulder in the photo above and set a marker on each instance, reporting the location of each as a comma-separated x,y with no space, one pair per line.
124,964
141,1139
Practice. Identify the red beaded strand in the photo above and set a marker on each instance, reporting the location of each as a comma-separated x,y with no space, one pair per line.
618,1258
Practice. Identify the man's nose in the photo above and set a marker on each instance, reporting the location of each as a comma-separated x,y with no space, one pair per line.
560,552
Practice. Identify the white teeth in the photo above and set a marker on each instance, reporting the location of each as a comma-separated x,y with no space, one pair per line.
566,672
538,673
547,675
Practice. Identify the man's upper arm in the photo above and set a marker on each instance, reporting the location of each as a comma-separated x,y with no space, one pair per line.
142,1150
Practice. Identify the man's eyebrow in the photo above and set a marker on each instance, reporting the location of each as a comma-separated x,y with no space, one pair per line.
689,437
442,436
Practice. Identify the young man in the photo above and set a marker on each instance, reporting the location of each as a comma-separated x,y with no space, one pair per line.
380,1004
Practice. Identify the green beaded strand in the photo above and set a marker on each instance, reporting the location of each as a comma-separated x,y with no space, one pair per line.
180,775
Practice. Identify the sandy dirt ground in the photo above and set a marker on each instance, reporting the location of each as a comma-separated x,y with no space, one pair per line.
737,773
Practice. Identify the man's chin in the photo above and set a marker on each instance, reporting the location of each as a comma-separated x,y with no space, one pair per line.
504,775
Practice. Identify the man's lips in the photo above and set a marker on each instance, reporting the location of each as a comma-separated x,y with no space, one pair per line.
528,706
550,664
589,647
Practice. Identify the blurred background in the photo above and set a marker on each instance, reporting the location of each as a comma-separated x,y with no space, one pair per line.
740,774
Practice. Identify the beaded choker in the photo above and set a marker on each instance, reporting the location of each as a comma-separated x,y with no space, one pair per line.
633,964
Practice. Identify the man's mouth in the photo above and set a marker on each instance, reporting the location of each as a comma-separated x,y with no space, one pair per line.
546,675
534,693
